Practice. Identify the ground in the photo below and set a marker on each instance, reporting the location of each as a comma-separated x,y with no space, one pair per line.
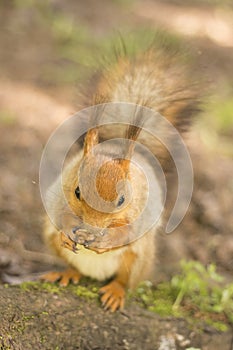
61,320
38,90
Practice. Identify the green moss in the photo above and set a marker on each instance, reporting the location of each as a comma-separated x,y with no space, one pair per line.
220,326
196,293
27,317
85,292
45,313
27,286
197,290
49,287
158,299
89,292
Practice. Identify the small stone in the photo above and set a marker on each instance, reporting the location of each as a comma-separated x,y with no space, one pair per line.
185,343
179,337
105,334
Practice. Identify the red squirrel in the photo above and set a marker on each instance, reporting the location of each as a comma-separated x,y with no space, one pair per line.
154,80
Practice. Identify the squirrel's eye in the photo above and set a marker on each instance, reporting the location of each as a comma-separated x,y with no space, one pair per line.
121,200
77,193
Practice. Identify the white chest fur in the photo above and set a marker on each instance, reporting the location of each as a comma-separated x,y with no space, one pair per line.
97,266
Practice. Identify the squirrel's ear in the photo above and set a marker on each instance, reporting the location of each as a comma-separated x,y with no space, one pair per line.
91,140
132,134
125,163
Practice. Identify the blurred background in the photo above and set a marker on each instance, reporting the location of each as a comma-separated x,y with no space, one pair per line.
50,50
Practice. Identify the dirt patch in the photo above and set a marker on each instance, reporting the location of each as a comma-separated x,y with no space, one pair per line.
45,320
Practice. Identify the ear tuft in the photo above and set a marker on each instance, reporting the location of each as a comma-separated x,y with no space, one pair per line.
91,140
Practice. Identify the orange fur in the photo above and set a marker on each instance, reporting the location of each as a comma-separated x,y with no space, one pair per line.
155,80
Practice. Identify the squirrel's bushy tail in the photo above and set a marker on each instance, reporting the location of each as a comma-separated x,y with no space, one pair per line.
162,79
159,79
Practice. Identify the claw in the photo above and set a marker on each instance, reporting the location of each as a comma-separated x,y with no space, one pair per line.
64,277
75,229
113,297
68,243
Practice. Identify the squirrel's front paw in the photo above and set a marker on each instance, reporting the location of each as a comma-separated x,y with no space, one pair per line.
113,297
64,277
67,242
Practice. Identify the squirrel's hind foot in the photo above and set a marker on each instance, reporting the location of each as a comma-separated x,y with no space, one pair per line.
113,297
63,277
